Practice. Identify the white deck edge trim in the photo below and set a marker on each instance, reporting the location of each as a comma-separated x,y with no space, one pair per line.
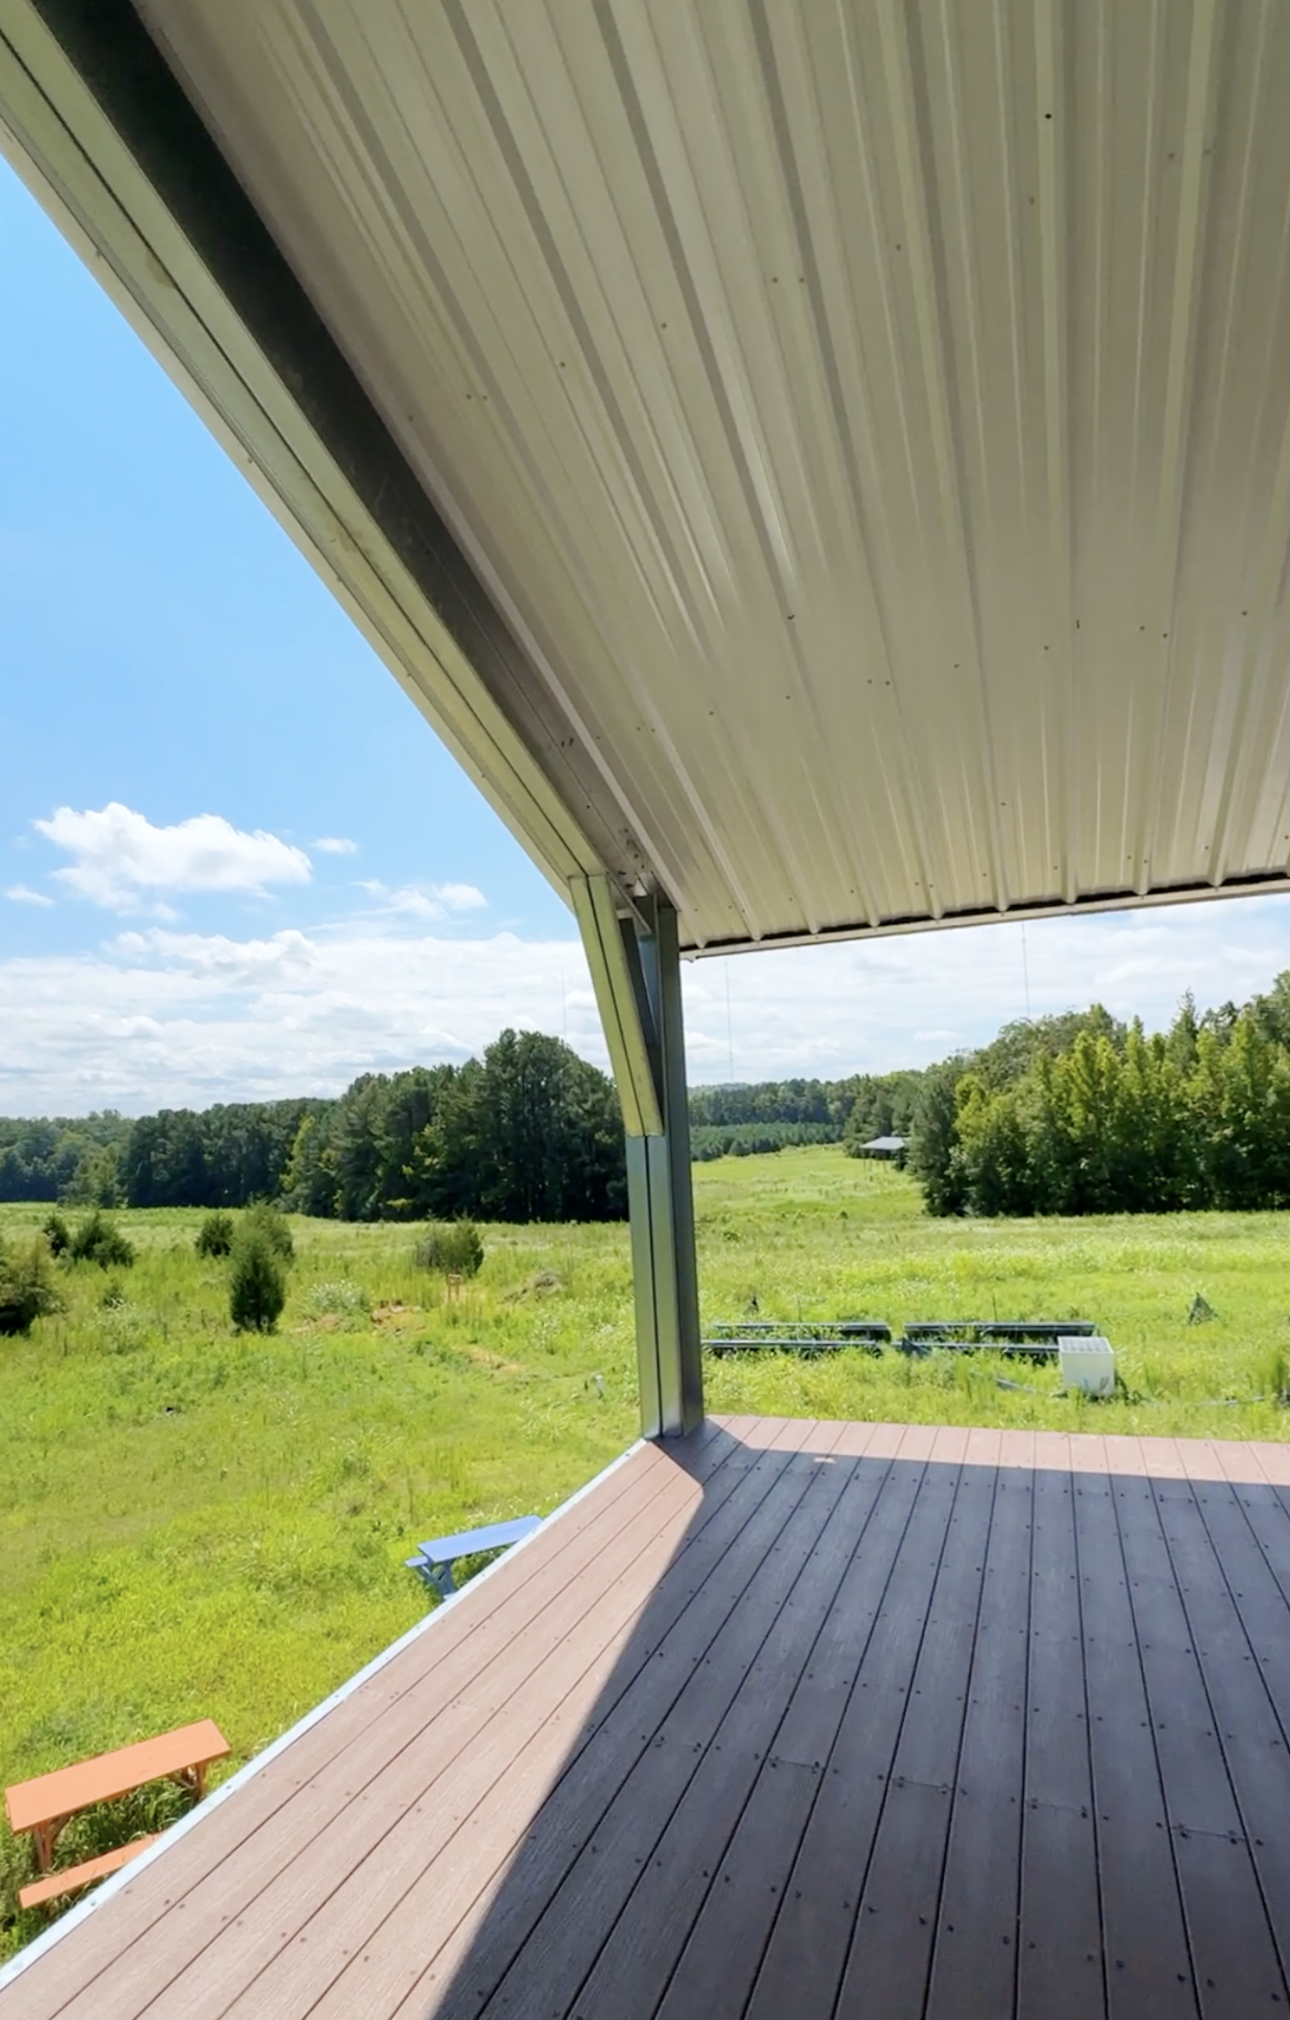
40,1945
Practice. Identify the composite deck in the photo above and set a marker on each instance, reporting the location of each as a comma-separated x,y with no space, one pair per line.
792,1721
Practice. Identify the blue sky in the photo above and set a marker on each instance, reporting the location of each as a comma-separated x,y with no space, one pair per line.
234,860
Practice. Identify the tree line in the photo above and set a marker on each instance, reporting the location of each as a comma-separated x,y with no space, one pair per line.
1084,1113
528,1132
747,1119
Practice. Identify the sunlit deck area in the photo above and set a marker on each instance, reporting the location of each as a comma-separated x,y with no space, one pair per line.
787,1718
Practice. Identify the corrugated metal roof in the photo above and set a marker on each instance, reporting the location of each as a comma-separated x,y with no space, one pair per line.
873,418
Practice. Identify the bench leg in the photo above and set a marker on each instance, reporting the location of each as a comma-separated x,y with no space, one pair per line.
46,1842
439,1577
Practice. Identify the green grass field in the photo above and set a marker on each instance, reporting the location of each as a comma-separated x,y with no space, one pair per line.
195,1524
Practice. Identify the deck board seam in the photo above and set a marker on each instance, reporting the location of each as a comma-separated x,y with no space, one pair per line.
1090,1763
888,1779
955,1786
1238,1610
1275,1575
756,1483
1025,1742
824,1764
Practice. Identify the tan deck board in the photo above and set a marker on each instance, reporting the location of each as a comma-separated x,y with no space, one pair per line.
796,1717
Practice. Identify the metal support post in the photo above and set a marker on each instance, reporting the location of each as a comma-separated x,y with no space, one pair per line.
636,971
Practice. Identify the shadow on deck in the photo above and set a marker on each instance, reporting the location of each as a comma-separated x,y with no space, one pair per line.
792,1719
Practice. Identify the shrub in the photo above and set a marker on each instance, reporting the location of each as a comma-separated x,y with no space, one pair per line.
271,1226
28,1286
101,1241
215,1235
258,1284
57,1234
453,1247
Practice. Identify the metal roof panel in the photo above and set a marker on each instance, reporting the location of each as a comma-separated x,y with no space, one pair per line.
873,421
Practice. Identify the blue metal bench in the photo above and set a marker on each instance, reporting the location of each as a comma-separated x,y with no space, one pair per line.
434,1560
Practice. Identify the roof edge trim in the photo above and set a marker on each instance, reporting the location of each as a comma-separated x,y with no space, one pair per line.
1257,885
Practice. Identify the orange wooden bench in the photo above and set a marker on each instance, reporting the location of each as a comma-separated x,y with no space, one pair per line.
43,1805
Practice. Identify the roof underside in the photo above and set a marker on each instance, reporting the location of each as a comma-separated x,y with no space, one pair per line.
871,422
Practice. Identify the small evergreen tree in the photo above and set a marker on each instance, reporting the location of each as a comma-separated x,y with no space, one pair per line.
100,1241
57,1234
270,1226
28,1286
453,1247
257,1285
215,1235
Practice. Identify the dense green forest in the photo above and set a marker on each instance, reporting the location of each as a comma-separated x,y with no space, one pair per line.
1058,1115
530,1132
1084,1114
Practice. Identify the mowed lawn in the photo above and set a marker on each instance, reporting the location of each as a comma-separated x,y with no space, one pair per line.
195,1524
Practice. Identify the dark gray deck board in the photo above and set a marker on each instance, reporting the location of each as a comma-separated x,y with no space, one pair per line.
1060,1972
1237,1970
1061,1968
635,1966
1251,1735
890,1957
975,1957
1148,1963
793,1722
716,1969
812,1934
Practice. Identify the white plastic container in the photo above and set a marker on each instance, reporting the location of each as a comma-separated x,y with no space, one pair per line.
1088,1365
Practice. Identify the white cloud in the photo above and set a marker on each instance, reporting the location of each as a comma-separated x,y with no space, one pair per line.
121,858
158,1017
422,901
18,894
905,1001
336,845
